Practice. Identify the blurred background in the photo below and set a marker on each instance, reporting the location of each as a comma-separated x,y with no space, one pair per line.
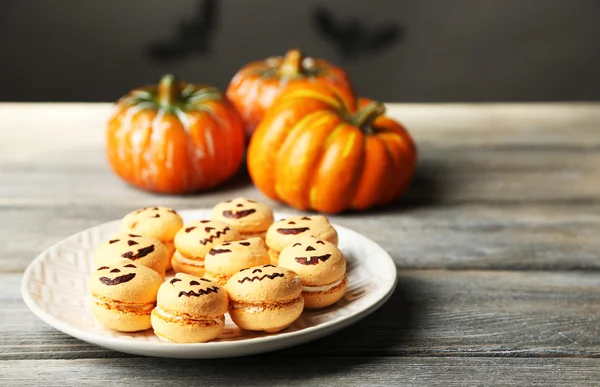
394,50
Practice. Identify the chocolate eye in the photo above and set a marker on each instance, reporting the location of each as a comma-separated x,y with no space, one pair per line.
131,243
245,269
225,244
130,265
156,216
113,241
291,222
245,243
297,244
227,201
305,218
251,201
204,221
192,283
115,271
190,229
321,242
174,280
310,248
239,205
134,236
172,211
204,279
103,268
269,265
256,270
207,229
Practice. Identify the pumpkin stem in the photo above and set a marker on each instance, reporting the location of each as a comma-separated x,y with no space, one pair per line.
292,63
168,90
365,116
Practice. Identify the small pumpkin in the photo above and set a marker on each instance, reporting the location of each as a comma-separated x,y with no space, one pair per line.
319,150
254,88
175,137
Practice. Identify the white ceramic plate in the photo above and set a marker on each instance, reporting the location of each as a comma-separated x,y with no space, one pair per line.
54,288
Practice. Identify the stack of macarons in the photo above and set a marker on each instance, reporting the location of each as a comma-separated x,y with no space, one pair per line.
262,272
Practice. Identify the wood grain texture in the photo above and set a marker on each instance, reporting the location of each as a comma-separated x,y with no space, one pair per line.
507,196
316,371
432,313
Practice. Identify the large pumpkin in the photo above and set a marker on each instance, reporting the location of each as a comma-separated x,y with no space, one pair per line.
253,89
175,137
317,149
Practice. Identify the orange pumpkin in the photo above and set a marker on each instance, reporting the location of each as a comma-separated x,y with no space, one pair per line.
175,137
316,150
254,88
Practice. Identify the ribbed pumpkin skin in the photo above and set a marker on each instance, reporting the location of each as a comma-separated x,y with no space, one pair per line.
191,141
254,87
308,153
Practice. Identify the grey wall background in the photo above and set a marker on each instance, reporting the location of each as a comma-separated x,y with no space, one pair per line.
460,50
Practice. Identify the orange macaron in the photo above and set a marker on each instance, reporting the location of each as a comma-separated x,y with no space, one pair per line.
228,258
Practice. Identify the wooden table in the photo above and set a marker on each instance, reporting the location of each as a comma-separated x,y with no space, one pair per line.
497,246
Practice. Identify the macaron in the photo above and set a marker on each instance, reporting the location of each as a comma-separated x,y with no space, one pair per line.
289,230
123,296
195,240
133,248
321,267
161,223
228,258
249,217
189,309
265,298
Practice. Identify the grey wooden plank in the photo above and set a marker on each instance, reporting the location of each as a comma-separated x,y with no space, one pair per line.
477,236
313,371
431,313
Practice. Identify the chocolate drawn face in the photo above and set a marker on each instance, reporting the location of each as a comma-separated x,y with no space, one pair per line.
189,286
144,214
117,275
132,246
310,251
240,209
261,273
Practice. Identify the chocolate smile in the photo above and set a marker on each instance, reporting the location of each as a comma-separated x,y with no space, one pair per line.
211,238
200,292
270,276
292,231
141,253
117,280
218,251
238,214
313,260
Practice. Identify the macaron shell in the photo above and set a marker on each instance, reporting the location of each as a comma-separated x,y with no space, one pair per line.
185,331
133,248
286,231
229,258
269,320
133,283
118,320
246,215
161,223
273,256
316,261
170,246
180,266
265,283
195,239
316,300
192,295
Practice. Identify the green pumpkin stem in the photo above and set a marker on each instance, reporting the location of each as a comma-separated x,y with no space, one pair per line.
292,63
168,90
365,116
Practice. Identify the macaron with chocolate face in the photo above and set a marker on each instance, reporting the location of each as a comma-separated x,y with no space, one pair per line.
321,267
228,258
161,223
195,240
249,217
123,296
133,248
289,230
265,298
189,309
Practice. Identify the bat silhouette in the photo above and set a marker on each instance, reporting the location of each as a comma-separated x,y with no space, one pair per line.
353,37
193,36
